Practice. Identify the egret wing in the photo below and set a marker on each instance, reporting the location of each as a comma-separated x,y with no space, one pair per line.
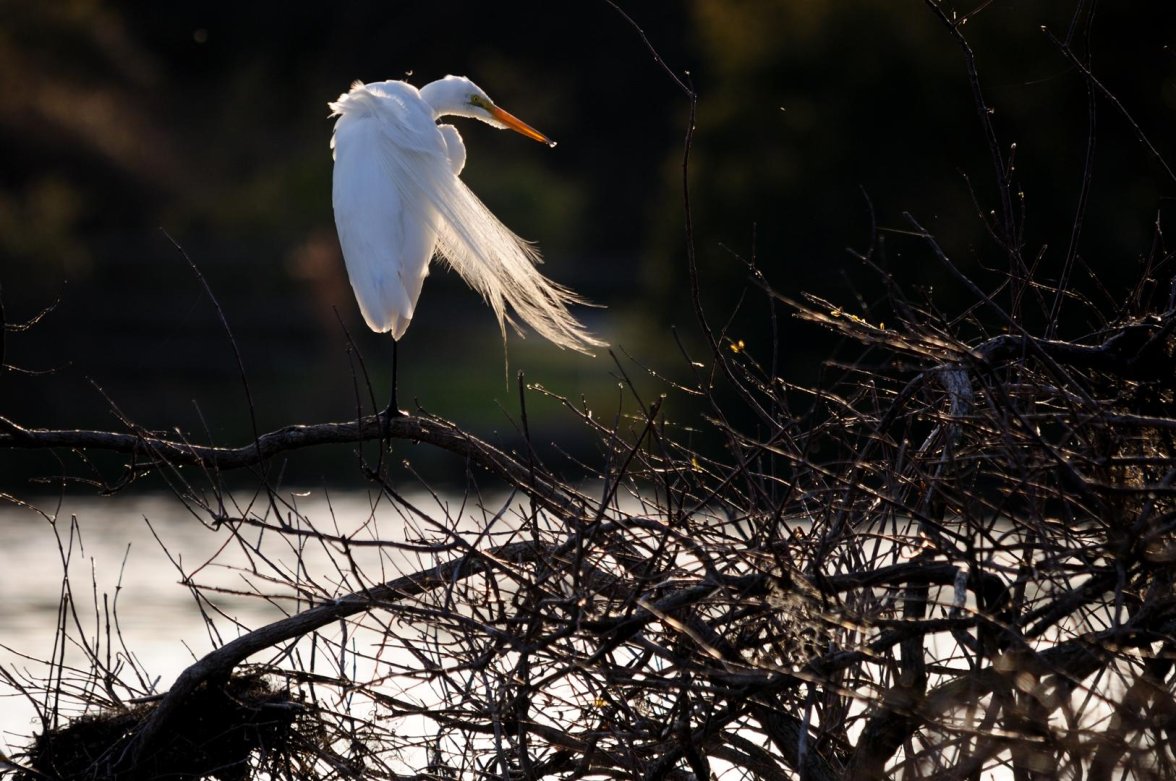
387,151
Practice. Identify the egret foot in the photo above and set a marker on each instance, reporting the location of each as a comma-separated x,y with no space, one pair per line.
390,413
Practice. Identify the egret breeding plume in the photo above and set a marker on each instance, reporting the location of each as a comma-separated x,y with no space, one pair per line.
399,202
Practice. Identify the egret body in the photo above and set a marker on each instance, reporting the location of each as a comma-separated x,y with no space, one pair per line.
399,202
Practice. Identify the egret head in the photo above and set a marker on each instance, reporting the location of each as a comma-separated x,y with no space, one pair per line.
458,96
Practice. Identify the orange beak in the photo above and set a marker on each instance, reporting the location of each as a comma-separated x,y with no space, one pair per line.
519,126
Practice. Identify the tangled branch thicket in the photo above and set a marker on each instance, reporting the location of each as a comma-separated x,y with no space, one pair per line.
956,557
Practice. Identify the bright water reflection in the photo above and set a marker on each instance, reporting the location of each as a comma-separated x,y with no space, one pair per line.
123,552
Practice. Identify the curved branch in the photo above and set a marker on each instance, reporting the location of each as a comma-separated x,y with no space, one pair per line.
220,662
159,450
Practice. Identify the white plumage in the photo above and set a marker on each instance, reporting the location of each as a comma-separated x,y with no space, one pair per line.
399,201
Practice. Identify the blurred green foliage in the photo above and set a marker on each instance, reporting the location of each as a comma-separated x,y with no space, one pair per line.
818,123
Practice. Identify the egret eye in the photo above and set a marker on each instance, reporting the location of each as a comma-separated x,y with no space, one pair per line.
479,101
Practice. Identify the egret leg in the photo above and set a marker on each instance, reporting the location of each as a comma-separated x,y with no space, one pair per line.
393,410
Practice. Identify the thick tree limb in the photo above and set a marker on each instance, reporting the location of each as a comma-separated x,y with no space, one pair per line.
221,661
785,732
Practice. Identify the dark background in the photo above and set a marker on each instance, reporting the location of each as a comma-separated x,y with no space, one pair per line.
125,123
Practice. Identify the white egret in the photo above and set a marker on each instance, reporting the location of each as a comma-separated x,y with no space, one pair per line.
398,202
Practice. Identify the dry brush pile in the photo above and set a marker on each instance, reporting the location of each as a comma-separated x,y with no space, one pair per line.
955,556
